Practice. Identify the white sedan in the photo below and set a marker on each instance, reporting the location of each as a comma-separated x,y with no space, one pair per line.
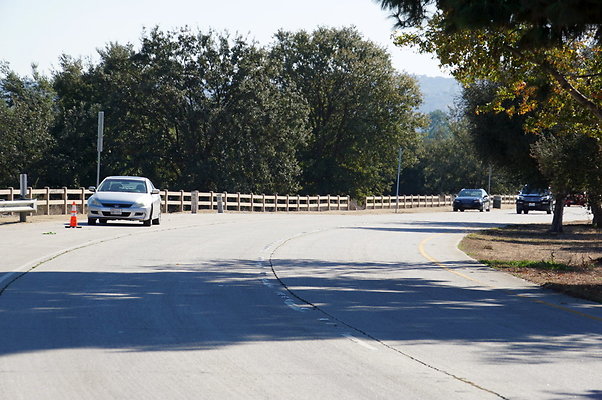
125,198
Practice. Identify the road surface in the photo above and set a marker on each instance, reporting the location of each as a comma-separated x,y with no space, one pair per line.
284,306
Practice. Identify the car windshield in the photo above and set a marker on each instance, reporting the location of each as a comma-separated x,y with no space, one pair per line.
533,190
122,185
469,193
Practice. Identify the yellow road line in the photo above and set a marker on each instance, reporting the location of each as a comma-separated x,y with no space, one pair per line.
538,301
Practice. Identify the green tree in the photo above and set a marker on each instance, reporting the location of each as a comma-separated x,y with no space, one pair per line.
573,163
73,163
361,110
499,137
231,122
542,23
188,109
26,116
548,68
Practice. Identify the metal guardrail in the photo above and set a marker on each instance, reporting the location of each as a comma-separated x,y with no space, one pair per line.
23,207
27,206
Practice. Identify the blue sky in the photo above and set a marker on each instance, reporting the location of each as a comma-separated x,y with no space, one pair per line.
41,30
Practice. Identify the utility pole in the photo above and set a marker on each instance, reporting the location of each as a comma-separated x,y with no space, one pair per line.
101,123
489,182
397,186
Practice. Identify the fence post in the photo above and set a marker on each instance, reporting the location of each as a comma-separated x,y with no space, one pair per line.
47,200
252,205
64,200
275,202
225,201
287,202
263,202
194,201
211,200
83,198
238,201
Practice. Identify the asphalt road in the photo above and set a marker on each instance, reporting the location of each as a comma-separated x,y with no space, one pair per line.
284,306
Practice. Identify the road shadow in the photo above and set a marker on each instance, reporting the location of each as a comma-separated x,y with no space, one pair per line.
430,227
224,302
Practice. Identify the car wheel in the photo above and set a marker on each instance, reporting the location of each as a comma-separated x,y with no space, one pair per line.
526,211
149,221
455,209
91,221
462,210
518,210
157,221
481,209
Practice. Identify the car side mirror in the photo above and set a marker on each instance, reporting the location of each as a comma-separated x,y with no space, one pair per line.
92,189
155,191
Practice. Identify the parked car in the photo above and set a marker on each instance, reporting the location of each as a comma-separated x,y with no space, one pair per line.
472,199
534,198
125,198
576,199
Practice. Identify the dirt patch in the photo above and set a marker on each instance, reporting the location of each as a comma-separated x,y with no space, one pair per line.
570,262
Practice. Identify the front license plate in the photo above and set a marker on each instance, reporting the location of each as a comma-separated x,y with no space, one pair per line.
115,211
531,204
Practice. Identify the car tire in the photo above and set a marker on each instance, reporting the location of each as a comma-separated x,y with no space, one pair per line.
149,221
526,211
157,221
455,209
462,210
91,221
481,209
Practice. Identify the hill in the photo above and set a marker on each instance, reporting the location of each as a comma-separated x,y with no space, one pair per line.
438,92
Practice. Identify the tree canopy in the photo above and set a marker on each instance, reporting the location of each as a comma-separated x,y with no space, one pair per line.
315,112
543,57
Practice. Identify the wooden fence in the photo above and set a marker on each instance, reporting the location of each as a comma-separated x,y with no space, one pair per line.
59,201
414,201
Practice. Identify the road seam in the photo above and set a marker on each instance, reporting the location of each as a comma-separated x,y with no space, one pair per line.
358,330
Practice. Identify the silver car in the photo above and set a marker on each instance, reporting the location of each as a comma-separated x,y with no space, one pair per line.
125,198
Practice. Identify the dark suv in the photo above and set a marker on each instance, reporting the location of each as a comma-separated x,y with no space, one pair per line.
534,198
475,199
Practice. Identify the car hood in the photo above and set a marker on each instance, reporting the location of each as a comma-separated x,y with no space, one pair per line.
120,197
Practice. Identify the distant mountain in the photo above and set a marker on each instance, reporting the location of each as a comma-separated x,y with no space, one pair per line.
438,93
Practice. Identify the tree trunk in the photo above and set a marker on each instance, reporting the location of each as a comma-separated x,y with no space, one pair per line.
558,214
597,211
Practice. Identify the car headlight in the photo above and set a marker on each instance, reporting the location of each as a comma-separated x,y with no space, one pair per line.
93,201
142,203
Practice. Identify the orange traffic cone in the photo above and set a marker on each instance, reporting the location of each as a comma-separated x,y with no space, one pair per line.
73,221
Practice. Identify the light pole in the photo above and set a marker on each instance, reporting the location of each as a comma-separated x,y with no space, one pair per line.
489,181
397,186
101,123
